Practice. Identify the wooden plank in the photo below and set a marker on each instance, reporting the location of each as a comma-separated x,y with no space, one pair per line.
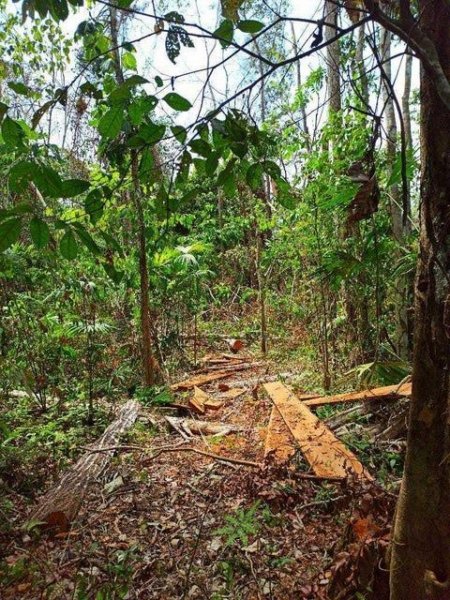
381,393
327,455
278,446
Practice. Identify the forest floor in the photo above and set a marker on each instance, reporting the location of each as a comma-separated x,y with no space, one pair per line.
180,525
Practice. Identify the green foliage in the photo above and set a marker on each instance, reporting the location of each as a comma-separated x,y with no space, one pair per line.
240,526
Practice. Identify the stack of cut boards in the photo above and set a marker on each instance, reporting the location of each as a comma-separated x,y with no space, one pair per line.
293,426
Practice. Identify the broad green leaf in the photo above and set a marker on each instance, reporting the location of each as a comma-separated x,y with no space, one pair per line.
110,124
74,187
9,233
112,272
48,181
20,175
12,133
94,205
180,133
177,102
129,61
225,33
250,26
146,165
111,242
39,231
271,168
40,113
211,164
201,147
87,239
59,9
140,107
68,245
159,82
19,88
254,176
152,133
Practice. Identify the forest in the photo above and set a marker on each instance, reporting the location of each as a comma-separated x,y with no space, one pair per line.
225,299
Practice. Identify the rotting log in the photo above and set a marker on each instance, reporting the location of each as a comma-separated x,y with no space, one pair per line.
60,505
327,456
381,393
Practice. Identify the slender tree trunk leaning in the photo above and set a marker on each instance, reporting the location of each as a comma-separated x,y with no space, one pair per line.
420,559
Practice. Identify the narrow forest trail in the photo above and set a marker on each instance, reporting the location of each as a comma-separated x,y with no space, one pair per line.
173,525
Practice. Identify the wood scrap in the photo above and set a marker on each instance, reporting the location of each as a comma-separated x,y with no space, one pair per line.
234,393
327,455
212,404
189,427
381,393
199,380
61,504
197,401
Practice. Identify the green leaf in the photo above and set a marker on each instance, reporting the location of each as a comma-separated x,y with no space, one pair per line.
211,164
225,33
271,168
112,242
68,245
40,113
129,61
19,88
112,272
250,26
177,102
152,133
40,233
48,181
74,187
254,176
12,133
159,82
180,133
87,239
110,124
94,205
20,175
9,233
201,147
59,9
146,165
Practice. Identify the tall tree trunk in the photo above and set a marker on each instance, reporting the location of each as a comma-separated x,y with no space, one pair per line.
399,230
420,561
149,363
333,56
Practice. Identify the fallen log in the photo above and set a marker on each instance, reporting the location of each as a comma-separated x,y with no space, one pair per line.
327,456
381,393
199,380
61,504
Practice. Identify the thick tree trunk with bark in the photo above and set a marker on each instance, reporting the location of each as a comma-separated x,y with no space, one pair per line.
420,561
